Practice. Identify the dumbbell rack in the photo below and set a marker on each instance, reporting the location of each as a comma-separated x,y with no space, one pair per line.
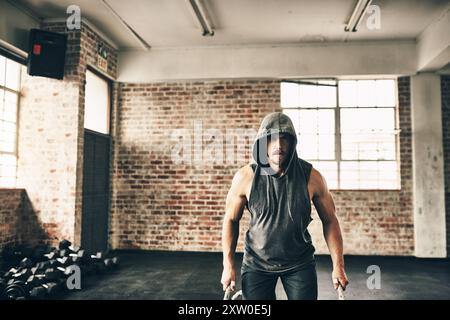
42,272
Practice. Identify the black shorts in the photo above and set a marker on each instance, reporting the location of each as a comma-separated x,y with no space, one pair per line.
299,283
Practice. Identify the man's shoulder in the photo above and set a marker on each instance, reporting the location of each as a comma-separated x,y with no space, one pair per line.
245,172
314,178
242,179
315,175
317,182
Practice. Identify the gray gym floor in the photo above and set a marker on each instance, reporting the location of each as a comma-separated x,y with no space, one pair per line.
194,275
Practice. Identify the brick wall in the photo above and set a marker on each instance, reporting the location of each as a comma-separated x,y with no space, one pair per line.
159,205
445,90
9,213
51,128
18,223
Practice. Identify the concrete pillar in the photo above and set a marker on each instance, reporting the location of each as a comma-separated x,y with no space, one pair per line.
428,166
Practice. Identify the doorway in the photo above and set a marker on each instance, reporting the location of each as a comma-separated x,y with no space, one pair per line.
97,148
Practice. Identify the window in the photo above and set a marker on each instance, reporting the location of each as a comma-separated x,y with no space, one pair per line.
347,129
9,102
96,114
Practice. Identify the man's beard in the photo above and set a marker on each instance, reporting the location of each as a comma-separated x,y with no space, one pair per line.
282,160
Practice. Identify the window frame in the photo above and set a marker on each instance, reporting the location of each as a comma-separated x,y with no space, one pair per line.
110,84
338,135
14,153
16,142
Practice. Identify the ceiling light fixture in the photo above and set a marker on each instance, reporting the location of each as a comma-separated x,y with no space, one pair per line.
357,15
202,16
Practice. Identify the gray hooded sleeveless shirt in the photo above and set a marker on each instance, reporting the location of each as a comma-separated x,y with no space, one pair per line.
280,207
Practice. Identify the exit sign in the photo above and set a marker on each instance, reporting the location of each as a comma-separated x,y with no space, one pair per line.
102,63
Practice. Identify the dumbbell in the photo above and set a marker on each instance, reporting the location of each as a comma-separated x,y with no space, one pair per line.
34,285
58,274
18,273
52,288
64,261
52,255
75,259
45,266
40,267
78,256
34,270
64,244
98,262
67,249
98,256
64,253
21,274
38,293
66,271
26,263
53,263
8,275
111,263
115,261
35,280
74,249
16,290
52,274
47,287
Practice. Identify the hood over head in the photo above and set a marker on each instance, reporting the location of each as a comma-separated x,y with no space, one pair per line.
273,124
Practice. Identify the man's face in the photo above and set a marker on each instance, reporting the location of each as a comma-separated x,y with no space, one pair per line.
278,147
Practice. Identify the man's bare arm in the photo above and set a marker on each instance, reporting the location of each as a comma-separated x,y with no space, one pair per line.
234,208
323,201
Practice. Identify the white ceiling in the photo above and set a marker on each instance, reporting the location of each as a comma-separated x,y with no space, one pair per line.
169,23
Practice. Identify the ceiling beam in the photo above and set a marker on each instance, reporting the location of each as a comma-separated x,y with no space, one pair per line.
314,60
433,44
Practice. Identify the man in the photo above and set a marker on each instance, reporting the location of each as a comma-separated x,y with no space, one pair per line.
277,189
